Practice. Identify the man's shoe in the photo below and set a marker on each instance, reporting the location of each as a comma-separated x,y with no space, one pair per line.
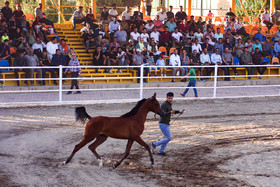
78,92
172,80
69,92
162,154
153,148
182,95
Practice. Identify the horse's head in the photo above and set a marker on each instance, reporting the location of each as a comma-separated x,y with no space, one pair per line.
154,105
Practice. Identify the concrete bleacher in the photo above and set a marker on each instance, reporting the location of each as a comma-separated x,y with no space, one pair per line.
75,41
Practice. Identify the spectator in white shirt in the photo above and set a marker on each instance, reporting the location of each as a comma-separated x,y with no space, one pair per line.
162,15
176,61
149,26
113,13
38,45
177,37
135,36
266,19
51,47
205,61
127,13
145,36
196,46
198,35
155,34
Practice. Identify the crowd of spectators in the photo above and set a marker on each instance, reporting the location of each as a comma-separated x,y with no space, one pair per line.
28,45
133,41
197,42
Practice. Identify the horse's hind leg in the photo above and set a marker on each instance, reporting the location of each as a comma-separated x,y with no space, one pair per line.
77,148
99,140
128,147
144,144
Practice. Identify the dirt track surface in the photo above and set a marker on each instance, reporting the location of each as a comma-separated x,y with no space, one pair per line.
224,142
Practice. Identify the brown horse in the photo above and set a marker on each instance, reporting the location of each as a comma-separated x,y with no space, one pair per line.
128,126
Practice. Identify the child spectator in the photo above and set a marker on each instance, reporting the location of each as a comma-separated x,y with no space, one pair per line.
161,62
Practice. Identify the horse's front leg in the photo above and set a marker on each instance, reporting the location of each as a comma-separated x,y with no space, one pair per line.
144,144
128,147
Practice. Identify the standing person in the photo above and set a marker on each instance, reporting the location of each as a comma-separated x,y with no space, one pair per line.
175,62
148,6
192,82
39,12
20,61
75,72
164,124
104,18
113,13
7,11
33,61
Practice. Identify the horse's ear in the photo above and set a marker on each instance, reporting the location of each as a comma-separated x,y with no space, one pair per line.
154,96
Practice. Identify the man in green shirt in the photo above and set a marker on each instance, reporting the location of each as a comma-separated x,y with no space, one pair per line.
192,82
164,124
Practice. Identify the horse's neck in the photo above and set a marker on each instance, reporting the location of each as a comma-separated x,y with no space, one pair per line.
142,113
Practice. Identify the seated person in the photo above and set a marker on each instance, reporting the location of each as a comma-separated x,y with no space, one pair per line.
113,27
33,61
207,46
121,36
259,36
130,50
145,36
184,27
57,60
162,15
155,35
175,61
228,45
45,61
138,60
198,34
239,29
113,13
5,53
219,45
78,17
187,46
239,47
218,34
196,46
122,57
125,25
91,19
89,39
20,61
249,44
229,36
171,25
149,26
99,58
266,19
194,58
160,62
246,59
205,61
257,60
141,45
258,45
165,38
114,43
158,24
135,35
227,59
137,13
112,59
139,24
276,48
177,37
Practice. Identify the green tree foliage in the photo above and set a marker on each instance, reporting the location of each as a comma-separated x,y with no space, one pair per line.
251,6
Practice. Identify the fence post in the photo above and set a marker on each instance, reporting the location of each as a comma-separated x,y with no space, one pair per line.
215,80
60,85
141,81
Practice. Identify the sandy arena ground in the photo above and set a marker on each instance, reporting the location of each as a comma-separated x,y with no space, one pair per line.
223,142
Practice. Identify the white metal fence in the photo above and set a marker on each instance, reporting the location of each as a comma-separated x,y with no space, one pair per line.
119,92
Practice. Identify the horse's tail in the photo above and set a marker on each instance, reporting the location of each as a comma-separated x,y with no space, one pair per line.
81,114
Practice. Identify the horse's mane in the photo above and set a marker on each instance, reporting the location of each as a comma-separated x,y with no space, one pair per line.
134,110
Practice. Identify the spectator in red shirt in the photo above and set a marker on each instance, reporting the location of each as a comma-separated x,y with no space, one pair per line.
165,38
184,27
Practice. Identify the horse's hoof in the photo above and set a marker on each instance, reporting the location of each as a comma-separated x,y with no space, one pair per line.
152,166
114,166
100,163
64,163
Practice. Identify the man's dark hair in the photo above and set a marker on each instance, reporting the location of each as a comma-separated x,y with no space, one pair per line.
80,7
53,38
170,94
114,4
57,50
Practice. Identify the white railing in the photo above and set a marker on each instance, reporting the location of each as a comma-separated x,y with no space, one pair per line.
135,89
